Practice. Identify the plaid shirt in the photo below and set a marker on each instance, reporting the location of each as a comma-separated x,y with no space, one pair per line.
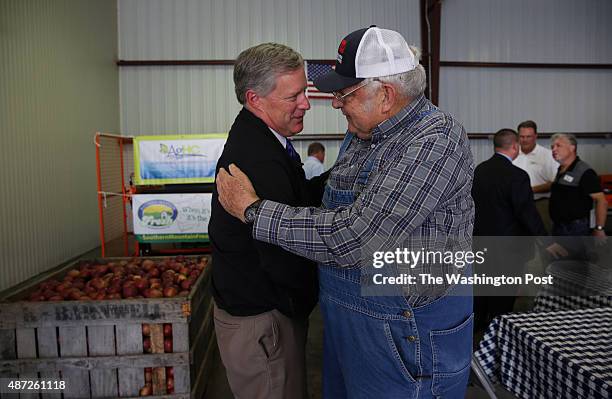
417,194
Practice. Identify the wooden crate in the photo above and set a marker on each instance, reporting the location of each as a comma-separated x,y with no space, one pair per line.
97,346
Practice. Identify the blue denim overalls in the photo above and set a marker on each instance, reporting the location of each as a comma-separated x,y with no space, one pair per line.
381,347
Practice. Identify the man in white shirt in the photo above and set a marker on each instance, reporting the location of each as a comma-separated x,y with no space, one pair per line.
539,164
314,164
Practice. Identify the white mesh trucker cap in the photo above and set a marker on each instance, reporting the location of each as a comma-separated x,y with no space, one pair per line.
367,53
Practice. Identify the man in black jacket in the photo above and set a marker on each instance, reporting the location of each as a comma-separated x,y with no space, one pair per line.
502,193
503,199
263,294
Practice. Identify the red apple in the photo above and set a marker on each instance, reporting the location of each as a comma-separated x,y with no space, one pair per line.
153,293
74,273
114,289
168,345
48,293
142,284
146,345
170,292
186,284
63,287
78,283
146,330
167,330
86,273
129,291
98,283
76,294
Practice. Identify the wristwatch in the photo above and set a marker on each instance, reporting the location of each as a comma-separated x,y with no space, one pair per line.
251,211
599,227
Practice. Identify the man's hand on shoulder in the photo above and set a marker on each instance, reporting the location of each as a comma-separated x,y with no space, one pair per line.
235,190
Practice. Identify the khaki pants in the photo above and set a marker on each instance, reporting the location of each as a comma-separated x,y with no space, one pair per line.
542,207
264,355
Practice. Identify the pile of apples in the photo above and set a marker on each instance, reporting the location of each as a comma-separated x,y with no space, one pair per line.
147,389
125,279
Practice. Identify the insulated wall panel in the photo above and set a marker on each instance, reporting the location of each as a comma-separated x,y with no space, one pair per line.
541,31
200,99
58,86
526,31
488,99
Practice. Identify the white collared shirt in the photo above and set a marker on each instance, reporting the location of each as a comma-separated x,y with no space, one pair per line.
312,167
282,139
539,165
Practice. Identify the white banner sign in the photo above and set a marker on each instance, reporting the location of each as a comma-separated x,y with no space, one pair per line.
177,159
171,217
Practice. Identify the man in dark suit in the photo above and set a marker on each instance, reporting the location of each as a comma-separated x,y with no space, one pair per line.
502,193
263,294
503,199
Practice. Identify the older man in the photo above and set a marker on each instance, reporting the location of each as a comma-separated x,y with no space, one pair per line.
264,294
403,175
573,191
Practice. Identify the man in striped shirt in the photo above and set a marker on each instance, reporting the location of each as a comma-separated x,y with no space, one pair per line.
401,186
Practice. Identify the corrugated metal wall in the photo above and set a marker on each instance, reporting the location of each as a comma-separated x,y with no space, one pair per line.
59,84
220,29
543,31
488,99
200,99
547,31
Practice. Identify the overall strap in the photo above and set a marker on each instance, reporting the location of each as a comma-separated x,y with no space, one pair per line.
364,173
345,143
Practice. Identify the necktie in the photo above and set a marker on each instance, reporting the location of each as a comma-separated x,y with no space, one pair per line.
292,152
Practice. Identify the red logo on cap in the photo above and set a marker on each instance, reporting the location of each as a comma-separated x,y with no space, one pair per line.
342,46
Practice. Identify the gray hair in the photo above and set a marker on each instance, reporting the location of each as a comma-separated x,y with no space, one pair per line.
567,136
258,67
409,84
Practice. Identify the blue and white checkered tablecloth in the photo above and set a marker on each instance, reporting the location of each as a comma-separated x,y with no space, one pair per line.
563,354
577,285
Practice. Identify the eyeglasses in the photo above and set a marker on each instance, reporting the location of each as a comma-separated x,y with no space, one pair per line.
341,97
